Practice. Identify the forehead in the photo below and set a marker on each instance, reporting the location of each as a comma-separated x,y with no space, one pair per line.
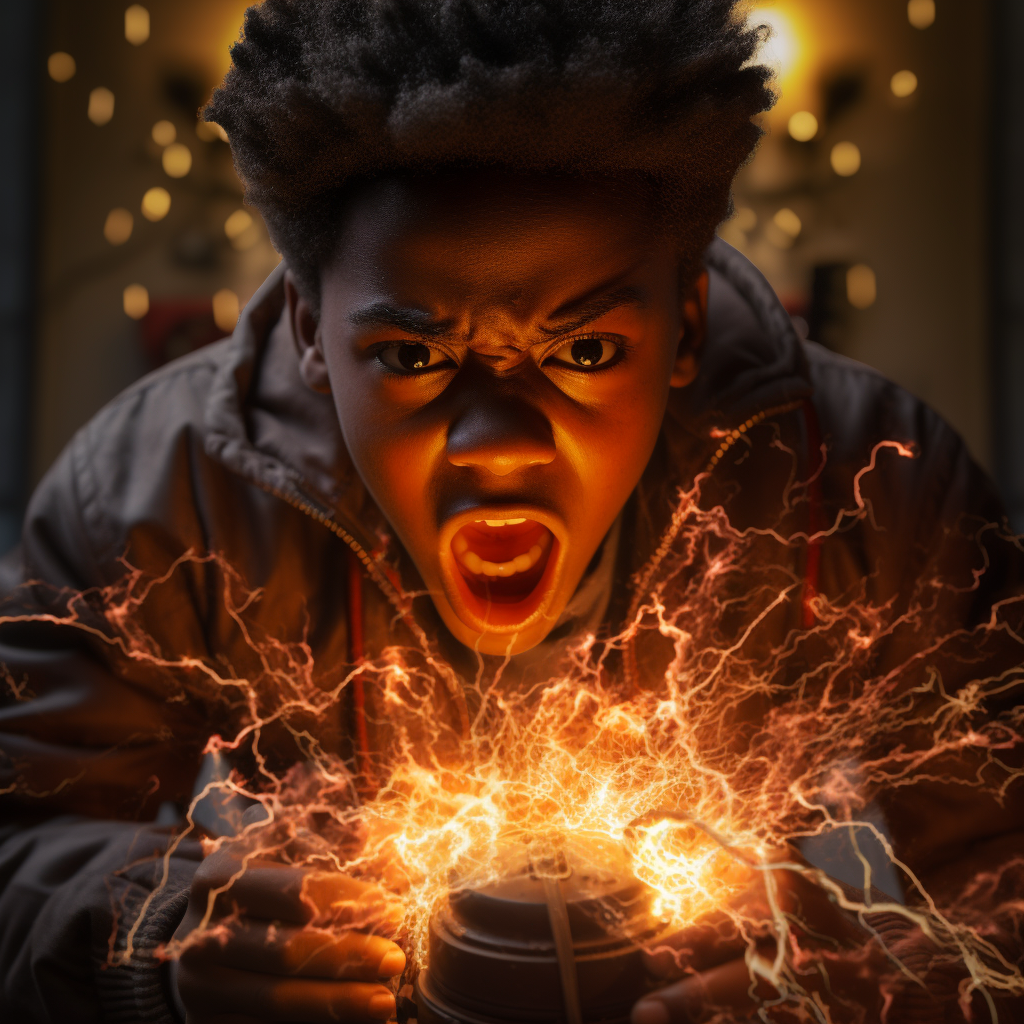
508,237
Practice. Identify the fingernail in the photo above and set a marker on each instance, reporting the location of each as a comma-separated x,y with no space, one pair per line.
382,1005
649,1011
392,963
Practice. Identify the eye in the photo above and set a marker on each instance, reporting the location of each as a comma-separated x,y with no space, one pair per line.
586,353
411,357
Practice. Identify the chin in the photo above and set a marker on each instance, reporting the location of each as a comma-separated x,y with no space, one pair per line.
503,573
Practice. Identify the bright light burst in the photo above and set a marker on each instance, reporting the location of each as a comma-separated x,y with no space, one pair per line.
690,742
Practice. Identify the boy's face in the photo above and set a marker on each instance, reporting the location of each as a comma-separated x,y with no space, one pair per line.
500,351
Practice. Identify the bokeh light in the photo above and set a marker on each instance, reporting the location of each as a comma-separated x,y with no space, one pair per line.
117,228
136,24
164,133
135,300
846,159
101,105
921,13
225,309
156,203
208,131
238,223
61,66
803,126
745,218
788,222
903,84
861,286
177,160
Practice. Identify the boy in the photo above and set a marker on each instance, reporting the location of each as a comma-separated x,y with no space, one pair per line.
501,340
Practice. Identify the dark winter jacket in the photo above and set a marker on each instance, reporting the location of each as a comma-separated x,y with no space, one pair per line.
227,452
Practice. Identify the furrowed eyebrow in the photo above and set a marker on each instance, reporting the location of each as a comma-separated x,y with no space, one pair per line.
411,321
577,315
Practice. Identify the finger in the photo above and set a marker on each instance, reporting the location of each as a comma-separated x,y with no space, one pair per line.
727,987
307,952
280,892
212,991
715,940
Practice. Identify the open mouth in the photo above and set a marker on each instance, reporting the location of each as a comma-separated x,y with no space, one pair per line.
502,561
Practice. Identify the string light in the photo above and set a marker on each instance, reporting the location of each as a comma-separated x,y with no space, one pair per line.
903,84
117,228
921,13
156,203
101,106
135,300
846,159
177,160
225,309
803,126
136,24
861,286
164,133
61,66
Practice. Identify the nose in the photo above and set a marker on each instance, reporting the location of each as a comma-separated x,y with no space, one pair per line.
501,434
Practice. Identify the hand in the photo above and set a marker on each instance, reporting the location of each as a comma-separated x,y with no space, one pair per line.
263,941
829,955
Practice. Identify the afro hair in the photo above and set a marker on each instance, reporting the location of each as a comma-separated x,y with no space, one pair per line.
325,93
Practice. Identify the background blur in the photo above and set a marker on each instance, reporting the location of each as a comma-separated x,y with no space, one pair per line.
883,206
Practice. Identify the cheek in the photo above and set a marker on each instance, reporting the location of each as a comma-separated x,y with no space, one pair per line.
394,450
610,438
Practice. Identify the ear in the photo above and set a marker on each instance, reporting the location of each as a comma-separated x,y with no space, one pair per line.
695,326
308,339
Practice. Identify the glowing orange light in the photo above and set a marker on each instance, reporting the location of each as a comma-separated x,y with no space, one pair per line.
101,106
136,24
61,66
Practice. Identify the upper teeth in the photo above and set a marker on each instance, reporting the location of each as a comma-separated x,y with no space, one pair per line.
501,522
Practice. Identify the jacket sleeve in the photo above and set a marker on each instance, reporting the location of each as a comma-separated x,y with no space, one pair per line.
88,748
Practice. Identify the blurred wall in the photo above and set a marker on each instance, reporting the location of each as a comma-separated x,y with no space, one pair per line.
89,347
912,218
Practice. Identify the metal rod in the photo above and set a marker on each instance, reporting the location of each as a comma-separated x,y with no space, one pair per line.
558,913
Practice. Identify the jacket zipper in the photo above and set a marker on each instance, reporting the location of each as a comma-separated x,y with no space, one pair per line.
387,587
328,520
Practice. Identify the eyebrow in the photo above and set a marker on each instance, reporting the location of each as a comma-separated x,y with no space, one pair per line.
574,315
411,321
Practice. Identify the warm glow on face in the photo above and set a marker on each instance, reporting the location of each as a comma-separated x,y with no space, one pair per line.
118,227
61,66
846,159
156,203
177,160
101,106
903,84
861,286
136,24
164,133
225,309
136,301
